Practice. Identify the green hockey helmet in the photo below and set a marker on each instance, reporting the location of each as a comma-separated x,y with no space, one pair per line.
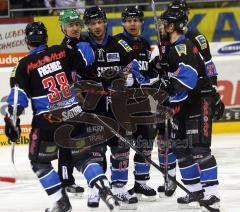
68,16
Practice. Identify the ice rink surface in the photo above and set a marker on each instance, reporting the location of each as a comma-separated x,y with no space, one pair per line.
27,195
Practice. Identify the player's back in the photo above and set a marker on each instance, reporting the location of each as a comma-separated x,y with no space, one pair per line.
45,77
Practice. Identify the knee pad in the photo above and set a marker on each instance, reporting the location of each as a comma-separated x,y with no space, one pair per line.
41,169
181,148
96,154
120,159
144,138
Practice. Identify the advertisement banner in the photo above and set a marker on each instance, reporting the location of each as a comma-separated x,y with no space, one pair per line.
12,38
225,48
217,24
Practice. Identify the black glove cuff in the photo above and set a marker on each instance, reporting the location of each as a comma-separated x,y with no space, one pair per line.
19,110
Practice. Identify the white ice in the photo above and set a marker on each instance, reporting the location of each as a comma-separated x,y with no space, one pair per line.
27,195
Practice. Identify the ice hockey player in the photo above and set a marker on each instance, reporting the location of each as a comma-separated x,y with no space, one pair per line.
133,21
44,77
192,99
202,44
70,24
112,56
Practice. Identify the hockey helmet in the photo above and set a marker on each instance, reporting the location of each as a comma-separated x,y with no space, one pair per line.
132,12
68,16
178,17
36,34
94,13
180,4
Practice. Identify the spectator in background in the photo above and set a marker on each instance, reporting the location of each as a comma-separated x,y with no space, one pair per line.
64,4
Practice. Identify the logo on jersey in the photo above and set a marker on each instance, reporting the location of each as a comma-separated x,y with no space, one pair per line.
125,45
44,60
202,41
113,57
100,55
181,49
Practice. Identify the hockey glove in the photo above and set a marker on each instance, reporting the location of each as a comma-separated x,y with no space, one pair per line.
13,133
219,107
72,42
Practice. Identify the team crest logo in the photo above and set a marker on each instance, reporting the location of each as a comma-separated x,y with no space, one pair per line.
181,49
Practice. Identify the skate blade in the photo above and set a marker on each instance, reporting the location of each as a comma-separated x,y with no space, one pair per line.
126,206
144,198
75,195
164,196
192,205
214,206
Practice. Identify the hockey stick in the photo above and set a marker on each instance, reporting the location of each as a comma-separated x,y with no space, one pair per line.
166,179
152,162
15,102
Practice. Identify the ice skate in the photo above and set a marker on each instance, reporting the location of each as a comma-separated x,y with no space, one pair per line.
75,190
171,188
62,205
106,194
190,201
144,192
126,200
93,198
211,201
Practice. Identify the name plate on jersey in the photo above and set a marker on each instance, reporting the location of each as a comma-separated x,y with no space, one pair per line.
113,57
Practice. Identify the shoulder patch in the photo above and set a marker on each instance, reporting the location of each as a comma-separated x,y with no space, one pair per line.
13,73
125,45
181,49
202,41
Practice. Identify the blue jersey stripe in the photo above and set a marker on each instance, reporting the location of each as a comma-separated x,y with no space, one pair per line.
87,52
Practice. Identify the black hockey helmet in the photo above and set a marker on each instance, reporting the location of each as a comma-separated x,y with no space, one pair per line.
181,4
93,13
178,17
132,12
36,34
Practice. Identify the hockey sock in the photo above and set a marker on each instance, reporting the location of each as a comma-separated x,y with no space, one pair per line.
171,162
190,174
92,171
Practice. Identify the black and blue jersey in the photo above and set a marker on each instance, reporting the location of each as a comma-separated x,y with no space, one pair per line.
45,76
